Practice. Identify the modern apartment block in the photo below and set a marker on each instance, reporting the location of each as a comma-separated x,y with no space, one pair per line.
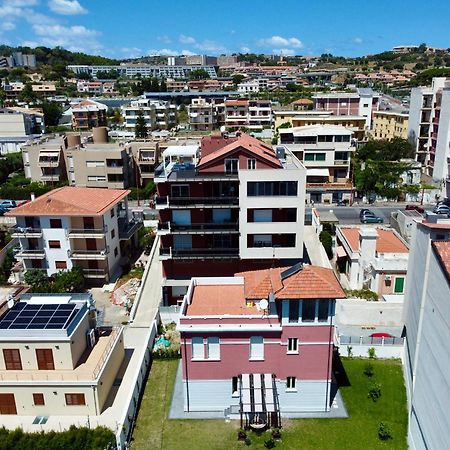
326,152
389,125
146,154
70,226
85,161
54,361
259,345
363,103
236,205
427,321
253,114
158,114
296,118
88,114
206,114
429,129
17,126
19,59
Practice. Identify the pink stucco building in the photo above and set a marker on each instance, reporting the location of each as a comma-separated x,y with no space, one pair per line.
260,343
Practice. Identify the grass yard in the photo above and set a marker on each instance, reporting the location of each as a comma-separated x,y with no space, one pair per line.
154,431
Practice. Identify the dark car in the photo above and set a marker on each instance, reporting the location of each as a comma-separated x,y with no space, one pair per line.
415,208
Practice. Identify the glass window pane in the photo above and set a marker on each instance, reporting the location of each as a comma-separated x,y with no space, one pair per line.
323,310
308,310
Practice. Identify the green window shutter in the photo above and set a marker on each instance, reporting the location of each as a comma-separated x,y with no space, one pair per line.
399,285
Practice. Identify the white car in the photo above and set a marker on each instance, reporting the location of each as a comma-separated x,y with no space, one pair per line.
441,209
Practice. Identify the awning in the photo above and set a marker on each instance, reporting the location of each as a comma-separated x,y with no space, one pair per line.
257,394
318,172
340,252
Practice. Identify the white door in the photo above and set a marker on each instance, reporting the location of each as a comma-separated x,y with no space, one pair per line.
181,217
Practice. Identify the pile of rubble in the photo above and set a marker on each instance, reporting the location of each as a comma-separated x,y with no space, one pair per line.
125,294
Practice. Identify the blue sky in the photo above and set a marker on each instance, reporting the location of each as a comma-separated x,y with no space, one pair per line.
132,28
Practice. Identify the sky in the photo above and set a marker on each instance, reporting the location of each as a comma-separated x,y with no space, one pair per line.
133,28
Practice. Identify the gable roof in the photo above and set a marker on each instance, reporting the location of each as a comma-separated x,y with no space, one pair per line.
308,283
247,143
442,251
72,201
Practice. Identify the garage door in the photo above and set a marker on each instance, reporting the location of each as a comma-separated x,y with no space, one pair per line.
7,404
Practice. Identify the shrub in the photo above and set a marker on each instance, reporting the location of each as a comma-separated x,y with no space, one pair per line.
368,370
242,435
374,392
365,294
276,433
384,432
371,353
166,353
248,441
327,242
270,443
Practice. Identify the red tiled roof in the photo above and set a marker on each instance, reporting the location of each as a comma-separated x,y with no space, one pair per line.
442,250
248,143
71,201
210,144
387,241
309,282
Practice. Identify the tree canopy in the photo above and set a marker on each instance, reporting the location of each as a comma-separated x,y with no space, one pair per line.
140,128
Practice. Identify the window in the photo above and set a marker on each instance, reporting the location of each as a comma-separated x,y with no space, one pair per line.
235,387
112,212
180,190
341,156
95,163
75,399
292,345
113,233
38,399
293,311
271,188
314,156
61,264
262,215
325,138
12,359
231,166
256,348
54,244
323,310
116,252
251,164
308,310
262,240
98,178
290,383
213,348
198,350
399,285
44,358
55,223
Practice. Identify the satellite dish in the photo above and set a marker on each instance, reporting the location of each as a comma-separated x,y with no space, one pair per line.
263,304
222,129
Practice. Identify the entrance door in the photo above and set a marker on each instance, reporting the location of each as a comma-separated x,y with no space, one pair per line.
7,404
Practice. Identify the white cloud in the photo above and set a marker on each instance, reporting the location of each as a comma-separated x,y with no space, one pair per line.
131,52
66,7
284,51
245,49
279,41
211,46
7,26
186,39
22,3
164,39
163,52
187,53
357,40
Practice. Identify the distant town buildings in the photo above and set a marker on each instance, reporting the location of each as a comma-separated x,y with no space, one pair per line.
158,114
87,114
18,59
206,114
389,125
252,114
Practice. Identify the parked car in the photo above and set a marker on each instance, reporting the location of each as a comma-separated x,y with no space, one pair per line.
365,211
441,209
370,217
8,204
415,208
3,211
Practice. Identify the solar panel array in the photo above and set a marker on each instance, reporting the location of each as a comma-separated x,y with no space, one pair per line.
25,316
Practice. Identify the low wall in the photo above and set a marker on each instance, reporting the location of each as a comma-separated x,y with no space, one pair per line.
362,351
4,251
364,313
169,314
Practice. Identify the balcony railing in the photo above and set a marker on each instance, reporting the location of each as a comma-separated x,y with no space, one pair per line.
186,201
126,230
210,226
88,254
199,253
82,232
95,273
18,232
37,253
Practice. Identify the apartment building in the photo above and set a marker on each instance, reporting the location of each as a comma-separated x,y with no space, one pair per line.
19,59
296,118
257,345
158,114
54,360
88,114
389,125
363,103
372,258
206,114
146,154
82,160
44,88
248,87
429,129
326,152
72,226
427,322
237,206
252,114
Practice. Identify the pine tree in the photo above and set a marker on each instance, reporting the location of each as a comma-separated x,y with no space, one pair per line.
140,130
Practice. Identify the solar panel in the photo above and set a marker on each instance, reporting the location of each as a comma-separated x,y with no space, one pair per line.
291,271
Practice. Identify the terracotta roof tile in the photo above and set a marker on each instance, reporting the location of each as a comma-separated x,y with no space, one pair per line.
387,242
71,201
442,250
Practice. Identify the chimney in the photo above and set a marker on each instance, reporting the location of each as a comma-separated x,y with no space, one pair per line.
367,249
33,197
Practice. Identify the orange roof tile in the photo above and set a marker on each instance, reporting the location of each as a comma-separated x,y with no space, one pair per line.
248,143
442,250
387,242
71,201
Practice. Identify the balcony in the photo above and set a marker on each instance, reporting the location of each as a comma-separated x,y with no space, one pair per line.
341,162
48,162
329,185
197,228
27,253
128,229
87,232
26,232
54,177
183,202
198,253
95,273
88,254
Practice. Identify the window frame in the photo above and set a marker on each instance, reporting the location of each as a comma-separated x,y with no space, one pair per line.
62,264
57,221
291,384
54,243
197,341
292,349
395,285
71,396
251,164
12,363
260,345
40,397
209,345
313,302
233,170
235,392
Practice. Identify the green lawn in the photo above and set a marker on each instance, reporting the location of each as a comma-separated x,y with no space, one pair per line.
359,431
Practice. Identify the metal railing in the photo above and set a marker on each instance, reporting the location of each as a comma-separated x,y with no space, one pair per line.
82,252
184,201
95,272
368,340
25,230
205,227
214,252
113,337
102,230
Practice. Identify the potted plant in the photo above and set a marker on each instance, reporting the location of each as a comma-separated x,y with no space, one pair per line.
276,433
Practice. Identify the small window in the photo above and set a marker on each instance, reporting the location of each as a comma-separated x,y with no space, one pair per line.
213,345
399,285
251,164
55,223
308,310
12,359
112,212
257,347
54,244
231,166
75,399
291,383
38,399
198,350
292,345
61,264
323,310
113,233
116,252
235,386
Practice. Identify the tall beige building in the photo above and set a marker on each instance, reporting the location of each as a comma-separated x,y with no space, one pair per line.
389,125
